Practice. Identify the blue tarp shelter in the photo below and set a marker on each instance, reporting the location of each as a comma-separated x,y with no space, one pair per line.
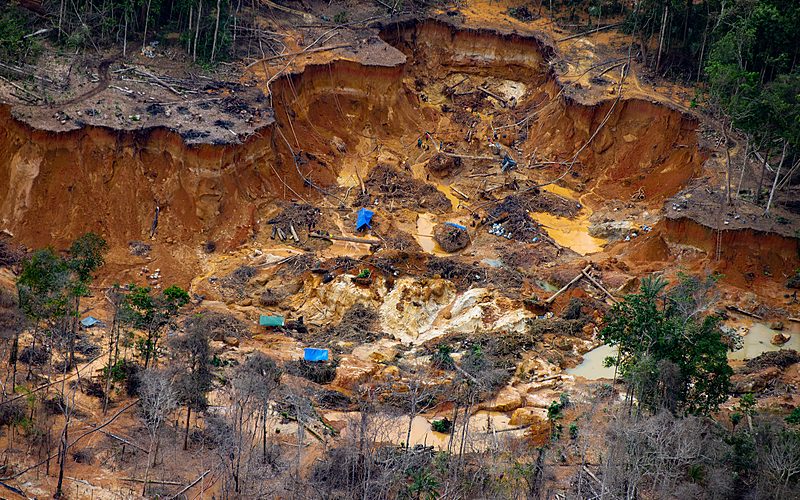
271,321
89,321
457,226
364,217
312,354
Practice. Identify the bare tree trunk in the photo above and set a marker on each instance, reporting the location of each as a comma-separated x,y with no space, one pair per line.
109,366
197,31
147,467
191,23
13,358
264,436
757,195
777,174
125,37
62,459
146,20
727,165
744,165
61,8
186,434
661,37
216,32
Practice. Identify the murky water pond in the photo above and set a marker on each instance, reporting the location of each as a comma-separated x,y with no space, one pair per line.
487,429
592,366
572,233
758,341
424,234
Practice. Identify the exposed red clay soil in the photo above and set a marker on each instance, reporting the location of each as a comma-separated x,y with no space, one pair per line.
342,114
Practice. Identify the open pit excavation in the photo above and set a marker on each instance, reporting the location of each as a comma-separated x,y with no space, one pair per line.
419,228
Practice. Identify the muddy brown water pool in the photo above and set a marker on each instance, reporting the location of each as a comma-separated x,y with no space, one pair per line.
759,340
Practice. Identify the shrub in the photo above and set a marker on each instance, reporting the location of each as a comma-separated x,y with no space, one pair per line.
444,425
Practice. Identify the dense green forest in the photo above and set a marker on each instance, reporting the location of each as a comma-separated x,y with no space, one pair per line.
204,28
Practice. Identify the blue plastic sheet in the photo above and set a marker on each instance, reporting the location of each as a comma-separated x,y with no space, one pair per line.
364,218
312,354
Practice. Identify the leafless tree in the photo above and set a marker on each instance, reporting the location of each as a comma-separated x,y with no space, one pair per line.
158,400
191,352
253,385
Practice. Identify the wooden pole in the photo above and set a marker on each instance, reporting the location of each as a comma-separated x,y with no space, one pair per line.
565,287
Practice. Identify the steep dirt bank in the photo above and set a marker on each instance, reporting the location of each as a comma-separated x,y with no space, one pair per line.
59,185
640,144
747,258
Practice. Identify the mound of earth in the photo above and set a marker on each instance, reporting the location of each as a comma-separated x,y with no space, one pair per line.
450,238
442,165
388,184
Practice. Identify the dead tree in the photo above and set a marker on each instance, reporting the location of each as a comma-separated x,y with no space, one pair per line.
158,400
192,363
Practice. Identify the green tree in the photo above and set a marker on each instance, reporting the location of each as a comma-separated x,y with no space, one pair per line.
670,354
151,314
86,256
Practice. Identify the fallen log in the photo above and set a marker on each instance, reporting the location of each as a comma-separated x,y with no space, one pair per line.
159,81
468,157
123,440
188,486
149,481
742,311
565,287
492,94
345,238
576,35
299,53
598,285
456,191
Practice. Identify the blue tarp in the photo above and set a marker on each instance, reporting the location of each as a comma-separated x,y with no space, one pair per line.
508,163
271,321
89,321
457,226
311,354
364,217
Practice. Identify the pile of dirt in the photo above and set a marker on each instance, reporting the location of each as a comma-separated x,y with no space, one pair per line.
464,275
218,325
359,325
443,165
537,200
461,274
10,253
235,283
296,218
298,264
450,238
521,13
782,359
509,219
394,238
274,295
402,241
319,373
388,183
139,248
519,256
470,102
